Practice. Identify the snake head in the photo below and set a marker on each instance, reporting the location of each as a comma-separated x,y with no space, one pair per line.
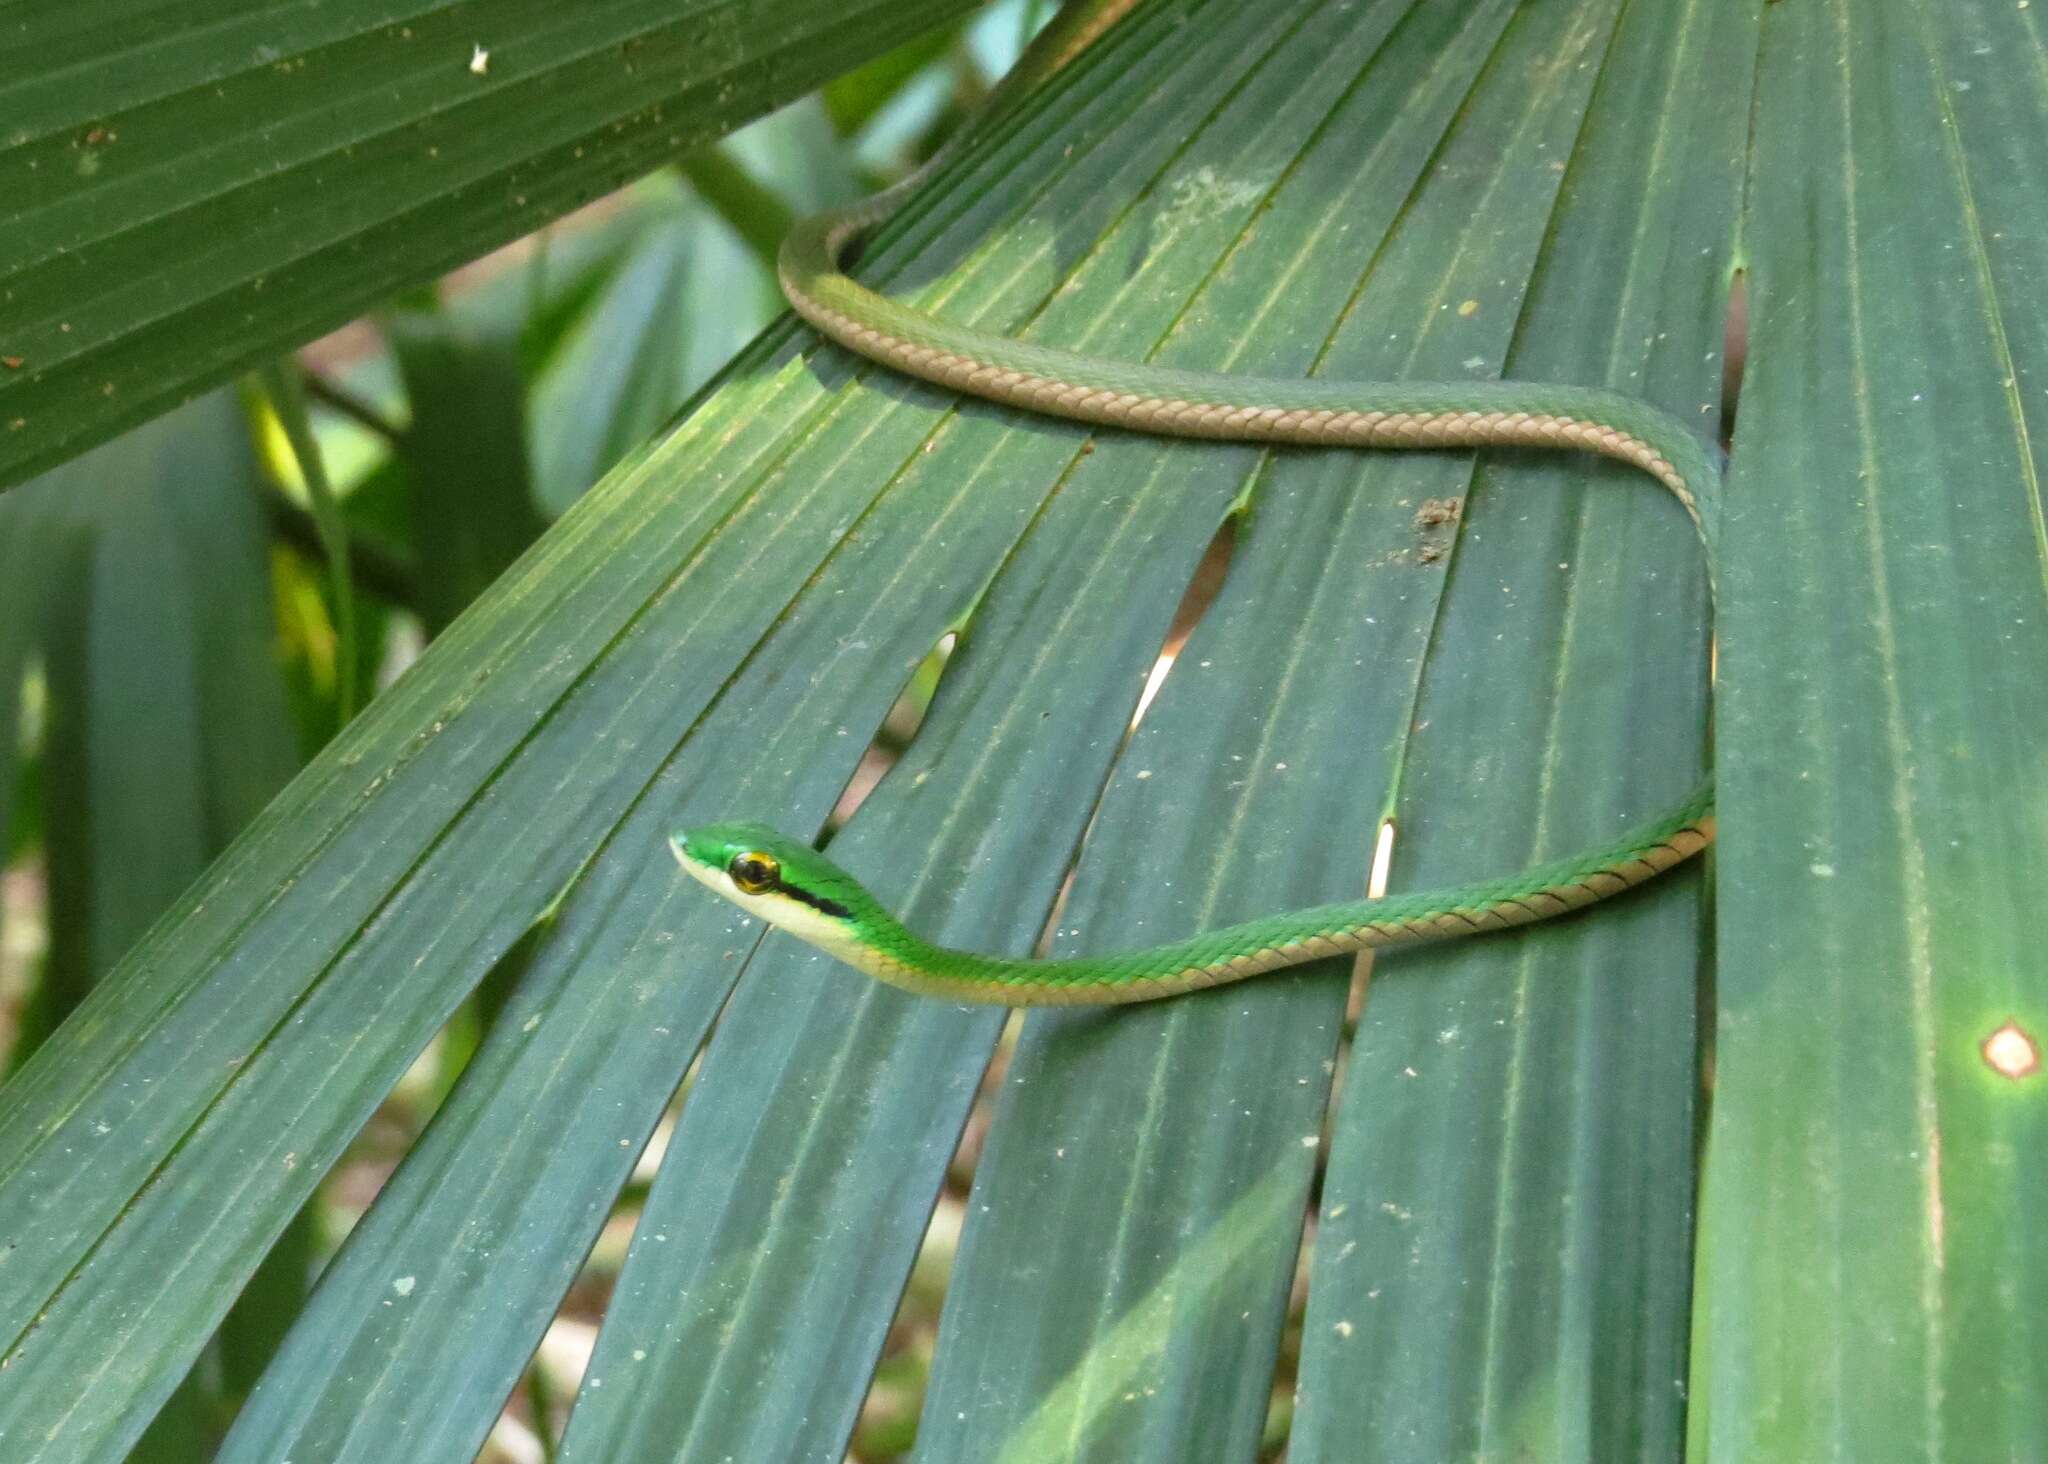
783,881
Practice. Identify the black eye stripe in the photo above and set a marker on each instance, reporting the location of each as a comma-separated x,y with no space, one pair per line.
758,873
817,902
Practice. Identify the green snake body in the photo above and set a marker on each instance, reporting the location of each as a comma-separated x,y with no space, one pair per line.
787,883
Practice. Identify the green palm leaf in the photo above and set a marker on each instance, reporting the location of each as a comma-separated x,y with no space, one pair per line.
1881,1110
1495,1176
182,194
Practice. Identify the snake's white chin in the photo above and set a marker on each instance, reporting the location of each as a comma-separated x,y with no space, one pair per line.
719,882
778,910
710,878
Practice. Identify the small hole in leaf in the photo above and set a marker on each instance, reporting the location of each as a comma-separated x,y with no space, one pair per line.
1382,862
1734,353
898,729
2012,1052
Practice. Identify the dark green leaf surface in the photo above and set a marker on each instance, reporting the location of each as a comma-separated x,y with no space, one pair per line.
1500,1261
464,450
1501,1265
186,191
1062,1345
1170,1204
167,733
1109,1244
946,502
424,843
1872,1268
167,727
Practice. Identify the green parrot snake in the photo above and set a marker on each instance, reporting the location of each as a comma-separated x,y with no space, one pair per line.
787,883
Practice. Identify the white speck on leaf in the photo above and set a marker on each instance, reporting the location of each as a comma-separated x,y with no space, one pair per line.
1203,194
404,1285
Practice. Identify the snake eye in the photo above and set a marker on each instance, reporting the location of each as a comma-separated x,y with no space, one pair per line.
754,872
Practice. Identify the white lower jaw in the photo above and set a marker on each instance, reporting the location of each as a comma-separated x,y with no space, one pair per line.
800,920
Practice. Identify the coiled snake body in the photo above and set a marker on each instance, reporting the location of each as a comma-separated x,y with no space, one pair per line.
787,883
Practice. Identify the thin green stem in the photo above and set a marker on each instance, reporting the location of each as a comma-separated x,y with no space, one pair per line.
379,569
753,210
537,273
325,392
285,387
540,1399
1031,19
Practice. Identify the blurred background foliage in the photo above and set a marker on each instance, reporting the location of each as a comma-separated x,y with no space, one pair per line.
175,643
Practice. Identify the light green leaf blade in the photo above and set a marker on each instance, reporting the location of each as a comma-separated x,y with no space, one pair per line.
186,192
782,1316
251,1040
1871,1264
182,1035
635,964
1501,1260
677,309
1062,1342
1169,1206
167,733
